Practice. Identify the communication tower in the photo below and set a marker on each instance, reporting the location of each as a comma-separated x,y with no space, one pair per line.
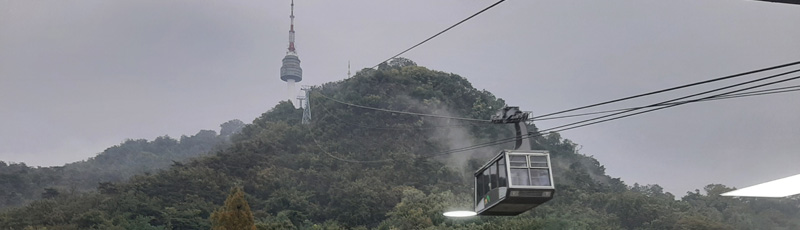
291,71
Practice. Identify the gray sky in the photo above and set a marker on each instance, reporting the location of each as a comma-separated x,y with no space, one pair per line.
77,77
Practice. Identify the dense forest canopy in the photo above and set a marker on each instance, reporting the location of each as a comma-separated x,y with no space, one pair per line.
21,184
353,168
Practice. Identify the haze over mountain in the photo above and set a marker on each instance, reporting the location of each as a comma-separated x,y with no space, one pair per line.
354,168
21,183
77,77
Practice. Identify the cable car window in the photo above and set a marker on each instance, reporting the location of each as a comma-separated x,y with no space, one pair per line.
493,171
540,177
538,161
501,173
520,177
486,181
518,161
479,189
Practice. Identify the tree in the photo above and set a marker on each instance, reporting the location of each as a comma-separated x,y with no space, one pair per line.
231,127
50,193
235,214
401,62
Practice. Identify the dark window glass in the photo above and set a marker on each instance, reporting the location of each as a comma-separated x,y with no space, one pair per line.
493,171
518,161
479,188
538,162
501,173
520,177
540,177
486,181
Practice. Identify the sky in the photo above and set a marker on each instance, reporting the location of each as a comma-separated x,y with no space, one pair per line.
77,77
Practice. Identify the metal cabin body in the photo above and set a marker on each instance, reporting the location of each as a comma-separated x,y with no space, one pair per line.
513,182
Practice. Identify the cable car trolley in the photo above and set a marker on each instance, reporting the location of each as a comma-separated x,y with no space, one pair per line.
514,181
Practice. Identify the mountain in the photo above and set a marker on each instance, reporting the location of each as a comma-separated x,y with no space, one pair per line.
21,184
356,168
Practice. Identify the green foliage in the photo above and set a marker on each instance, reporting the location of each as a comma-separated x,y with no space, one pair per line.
20,184
294,181
231,127
417,210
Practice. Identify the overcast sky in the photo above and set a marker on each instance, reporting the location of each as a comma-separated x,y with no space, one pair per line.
77,77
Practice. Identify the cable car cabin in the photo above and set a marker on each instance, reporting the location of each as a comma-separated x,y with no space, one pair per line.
513,182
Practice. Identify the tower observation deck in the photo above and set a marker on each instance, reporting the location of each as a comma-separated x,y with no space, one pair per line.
290,70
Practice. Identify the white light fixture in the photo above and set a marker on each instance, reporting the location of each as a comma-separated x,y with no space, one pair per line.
460,214
778,188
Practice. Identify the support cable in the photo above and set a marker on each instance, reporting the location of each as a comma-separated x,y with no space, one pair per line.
441,32
403,112
566,116
727,95
685,97
671,89
542,117
317,143
427,127
668,106
663,105
731,96
565,127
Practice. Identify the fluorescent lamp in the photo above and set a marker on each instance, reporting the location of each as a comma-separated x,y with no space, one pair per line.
778,188
460,214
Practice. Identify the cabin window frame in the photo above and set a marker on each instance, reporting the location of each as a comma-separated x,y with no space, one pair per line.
502,172
487,181
537,172
493,176
537,164
479,193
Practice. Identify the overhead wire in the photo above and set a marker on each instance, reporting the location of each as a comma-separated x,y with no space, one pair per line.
343,159
671,89
403,112
401,128
731,96
755,94
664,107
441,32
661,105
772,89
684,97
321,148
543,117
559,117
575,124
317,143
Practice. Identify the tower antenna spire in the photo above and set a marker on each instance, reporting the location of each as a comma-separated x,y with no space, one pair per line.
291,29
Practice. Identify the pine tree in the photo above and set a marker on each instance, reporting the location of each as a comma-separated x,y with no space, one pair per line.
235,214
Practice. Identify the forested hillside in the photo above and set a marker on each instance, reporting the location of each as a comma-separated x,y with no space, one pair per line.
20,183
354,168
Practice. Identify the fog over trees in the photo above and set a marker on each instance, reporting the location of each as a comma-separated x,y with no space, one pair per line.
353,168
